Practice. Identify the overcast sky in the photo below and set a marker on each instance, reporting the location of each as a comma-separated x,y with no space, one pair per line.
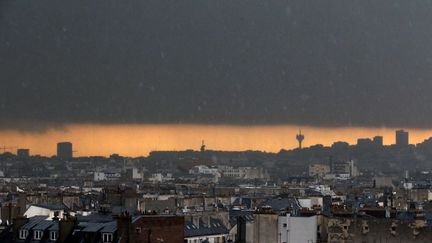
324,63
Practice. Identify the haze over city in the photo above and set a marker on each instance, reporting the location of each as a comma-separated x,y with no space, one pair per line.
139,140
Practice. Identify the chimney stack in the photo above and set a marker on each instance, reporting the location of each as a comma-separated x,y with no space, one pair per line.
66,227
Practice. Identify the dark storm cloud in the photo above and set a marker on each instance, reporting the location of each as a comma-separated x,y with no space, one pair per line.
329,63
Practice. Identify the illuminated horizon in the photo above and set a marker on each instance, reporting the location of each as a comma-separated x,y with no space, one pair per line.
138,140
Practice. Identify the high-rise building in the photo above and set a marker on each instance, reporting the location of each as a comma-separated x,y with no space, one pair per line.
64,150
402,138
378,140
23,153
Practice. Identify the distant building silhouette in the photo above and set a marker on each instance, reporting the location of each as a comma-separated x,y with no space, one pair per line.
378,140
64,150
340,145
364,142
23,153
402,138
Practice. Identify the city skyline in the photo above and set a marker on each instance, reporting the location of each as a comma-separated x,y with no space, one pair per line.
139,140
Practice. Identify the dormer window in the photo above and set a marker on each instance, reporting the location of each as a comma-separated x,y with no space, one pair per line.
107,237
38,235
23,234
53,235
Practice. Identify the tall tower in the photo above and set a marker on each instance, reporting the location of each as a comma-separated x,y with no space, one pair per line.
203,147
300,137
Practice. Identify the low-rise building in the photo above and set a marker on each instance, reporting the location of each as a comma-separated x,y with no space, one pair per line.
244,173
318,170
106,176
47,210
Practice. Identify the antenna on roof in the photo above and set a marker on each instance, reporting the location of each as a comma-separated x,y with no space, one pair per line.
4,148
203,147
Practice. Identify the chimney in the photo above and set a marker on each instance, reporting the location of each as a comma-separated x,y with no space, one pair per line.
196,221
66,227
124,225
10,213
327,205
18,222
241,230
204,202
22,203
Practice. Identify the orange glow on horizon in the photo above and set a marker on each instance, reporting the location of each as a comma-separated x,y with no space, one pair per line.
139,140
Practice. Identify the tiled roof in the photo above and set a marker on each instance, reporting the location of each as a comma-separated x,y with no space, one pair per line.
93,227
33,221
245,214
44,224
95,218
110,227
215,227
50,206
282,203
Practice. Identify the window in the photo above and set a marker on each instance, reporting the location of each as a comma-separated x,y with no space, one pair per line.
107,237
138,229
38,235
53,235
284,225
23,234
